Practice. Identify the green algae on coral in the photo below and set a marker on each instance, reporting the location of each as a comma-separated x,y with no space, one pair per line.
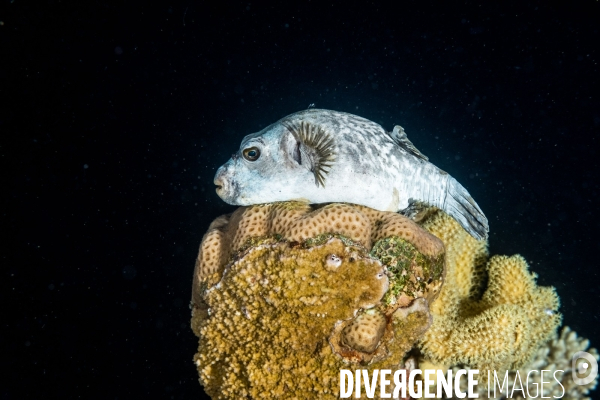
323,238
410,272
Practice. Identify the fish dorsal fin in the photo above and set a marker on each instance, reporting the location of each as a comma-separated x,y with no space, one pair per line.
399,136
315,148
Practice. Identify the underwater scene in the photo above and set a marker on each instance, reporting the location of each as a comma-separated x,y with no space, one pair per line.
300,200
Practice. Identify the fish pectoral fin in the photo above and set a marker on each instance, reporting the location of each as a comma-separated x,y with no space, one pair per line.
315,149
313,164
398,135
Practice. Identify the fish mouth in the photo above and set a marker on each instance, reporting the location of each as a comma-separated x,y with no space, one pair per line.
221,187
226,188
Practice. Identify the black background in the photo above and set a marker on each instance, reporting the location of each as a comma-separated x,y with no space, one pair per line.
116,115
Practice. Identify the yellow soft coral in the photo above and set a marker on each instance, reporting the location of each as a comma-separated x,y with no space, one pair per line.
555,355
488,315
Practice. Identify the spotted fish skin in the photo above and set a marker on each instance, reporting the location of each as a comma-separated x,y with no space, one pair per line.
363,164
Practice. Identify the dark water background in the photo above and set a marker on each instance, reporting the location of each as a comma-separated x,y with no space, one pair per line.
116,117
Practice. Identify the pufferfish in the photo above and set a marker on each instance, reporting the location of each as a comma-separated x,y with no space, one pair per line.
323,156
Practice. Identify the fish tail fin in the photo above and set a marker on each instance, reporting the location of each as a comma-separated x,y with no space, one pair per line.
459,204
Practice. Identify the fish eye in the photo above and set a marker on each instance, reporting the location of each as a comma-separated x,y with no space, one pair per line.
251,153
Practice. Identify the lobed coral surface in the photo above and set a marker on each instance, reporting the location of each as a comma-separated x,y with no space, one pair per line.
286,295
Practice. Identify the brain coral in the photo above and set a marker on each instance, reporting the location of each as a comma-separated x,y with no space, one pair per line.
285,295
